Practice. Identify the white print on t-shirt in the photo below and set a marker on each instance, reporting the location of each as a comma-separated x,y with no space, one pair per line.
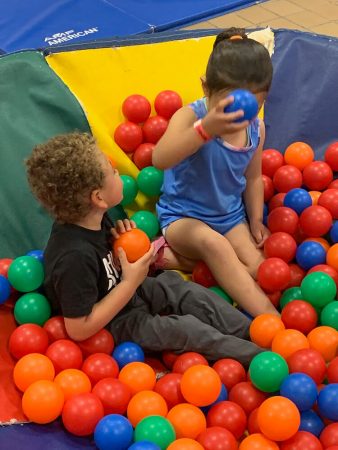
112,273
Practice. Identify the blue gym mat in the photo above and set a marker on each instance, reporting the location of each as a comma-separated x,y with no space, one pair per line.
38,24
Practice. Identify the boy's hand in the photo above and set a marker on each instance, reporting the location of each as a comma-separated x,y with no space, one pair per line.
217,122
259,232
135,273
121,227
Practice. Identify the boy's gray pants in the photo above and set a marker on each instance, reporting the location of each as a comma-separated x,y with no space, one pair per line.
168,313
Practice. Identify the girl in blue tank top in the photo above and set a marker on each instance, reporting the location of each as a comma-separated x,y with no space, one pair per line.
211,207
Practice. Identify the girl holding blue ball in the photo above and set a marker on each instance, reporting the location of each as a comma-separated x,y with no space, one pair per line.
211,207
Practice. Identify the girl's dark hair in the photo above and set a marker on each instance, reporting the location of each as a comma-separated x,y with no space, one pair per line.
238,63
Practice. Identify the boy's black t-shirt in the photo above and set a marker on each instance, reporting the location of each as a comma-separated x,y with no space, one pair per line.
79,268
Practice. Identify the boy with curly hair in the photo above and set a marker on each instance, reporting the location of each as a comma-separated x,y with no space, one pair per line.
76,183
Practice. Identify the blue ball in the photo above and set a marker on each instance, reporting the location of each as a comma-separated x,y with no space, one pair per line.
298,199
5,289
328,402
300,389
334,232
223,396
128,352
113,431
310,254
244,100
144,445
38,254
311,422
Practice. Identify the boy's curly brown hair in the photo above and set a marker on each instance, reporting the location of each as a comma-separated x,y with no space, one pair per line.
63,172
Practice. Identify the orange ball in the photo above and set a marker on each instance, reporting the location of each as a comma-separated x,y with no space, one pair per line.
264,328
325,340
73,382
144,404
32,367
138,376
42,401
287,342
134,242
332,256
321,241
188,420
201,385
185,444
299,154
257,441
278,418
315,197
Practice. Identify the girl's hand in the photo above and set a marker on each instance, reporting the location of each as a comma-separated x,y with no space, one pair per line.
121,227
217,122
135,273
259,232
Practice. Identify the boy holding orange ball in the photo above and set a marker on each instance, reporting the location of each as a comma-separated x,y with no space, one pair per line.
93,289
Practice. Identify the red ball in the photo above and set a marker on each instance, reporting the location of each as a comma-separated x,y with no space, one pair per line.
55,328
169,386
217,438
99,366
4,265
167,103
273,274
246,395
299,315
274,298
280,245
271,161
169,358
333,184
329,200
317,175
230,371
286,178
100,342
277,201
297,275
332,371
302,440
142,156
154,128
331,156
188,359
228,415
253,426
315,221
202,275
329,436
283,219
81,413
310,362
326,269
269,189
64,354
128,136
136,108
28,338
114,395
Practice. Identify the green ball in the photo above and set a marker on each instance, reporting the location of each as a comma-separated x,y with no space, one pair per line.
129,190
155,429
26,273
329,315
319,289
32,308
147,222
290,294
219,291
150,181
268,370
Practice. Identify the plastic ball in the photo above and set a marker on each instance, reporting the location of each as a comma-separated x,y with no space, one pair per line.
128,352
302,440
257,441
99,366
150,180
268,188
299,154
128,136
283,219
144,404
5,289
289,295
135,243
100,342
202,275
289,341
301,389
187,360
273,274
264,328
331,156
315,221
267,371
154,128
299,315
298,199
28,338
332,256
247,396
217,438
114,431
297,275
318,288
169,387
73,382
310,362
187,420
328,401
138,376
317,175
329,435
136,108
311,422
245,101
30,368
144,445
271,161
130,190
286,178
114,395
280,245
228,415
200,385
185,444
32,308
142,156
223,395
147,222
325,340
4,266
167,103
329,200
155,429
310,254
81,413
334,231
42,402
329,315
276,201
230,371
315,197
323,242
64,354
55,328
26,273
38,254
